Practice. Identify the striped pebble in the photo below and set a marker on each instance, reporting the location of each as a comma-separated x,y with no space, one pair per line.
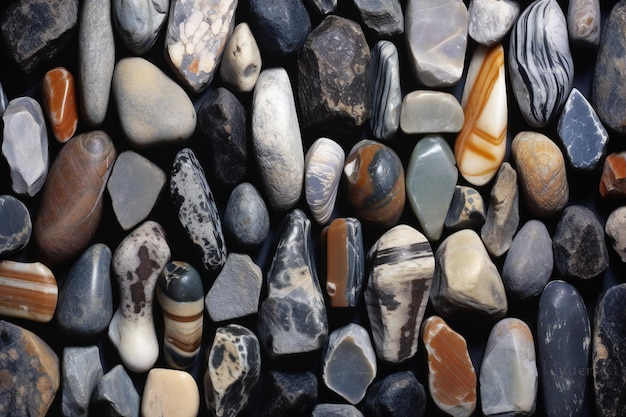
28,291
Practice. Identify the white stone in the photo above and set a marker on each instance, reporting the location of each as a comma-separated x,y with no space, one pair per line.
426,111
241,61
323,166
491,20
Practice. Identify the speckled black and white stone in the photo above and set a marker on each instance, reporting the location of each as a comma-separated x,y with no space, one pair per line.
246,218
467,209
139,22
16,226
323,166
386,93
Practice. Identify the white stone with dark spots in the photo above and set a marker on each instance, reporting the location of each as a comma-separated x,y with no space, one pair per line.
241,62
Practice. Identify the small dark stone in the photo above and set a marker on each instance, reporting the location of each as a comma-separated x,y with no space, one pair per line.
384,17
399,394
285,394
115,396
15,227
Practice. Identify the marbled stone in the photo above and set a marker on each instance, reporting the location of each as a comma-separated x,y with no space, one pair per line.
349,362
139,22
335,410
16,226
241,61
284,394
503,212
233,368
508,373
451,375
529,262
246,219
436,51
615,229
28,291
430,111
467,209
383,17
397,291
170,393
197,212
583,22
30,372
58,93
430,181
399,394
386,92
613,180
135,185
25,145
563,341
81,372
85,305
540,63
72,198
323,165
292,319
323,7
153,110
579,244
181,297
236,290
542,174
137,263
480,146
276,139
491,20
197,32
375,183
115,395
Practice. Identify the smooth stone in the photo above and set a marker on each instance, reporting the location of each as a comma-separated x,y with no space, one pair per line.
28,291
334,77
451,374
581,132
25,145
233,369
491,20
137,263
115,395
615,229
386,92
4,101
58,93
467,209
135,185
197,211
284,394
170,393
529,262
153,110
584,22
613,179
30,372
579,244
96,60
335,410
276,139
397,291
349,362
241,62
292,319
323,165
374,176
508,373
139,22
563,342
430,182
542,173
236,290
72,198
426,111
85,305
383,17
436,51
466,283
323,7
16,226
398,394
502,213
197,32
180,294
81,372
246,218
480,146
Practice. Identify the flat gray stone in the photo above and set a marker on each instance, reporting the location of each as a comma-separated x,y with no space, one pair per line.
16,226
383,17
491,20
139,22
115,395
386,92
246,219
81,372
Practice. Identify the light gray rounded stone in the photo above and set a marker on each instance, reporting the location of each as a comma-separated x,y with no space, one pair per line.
246,219
426,111
491,20
139,22
615,230
241,61
336,410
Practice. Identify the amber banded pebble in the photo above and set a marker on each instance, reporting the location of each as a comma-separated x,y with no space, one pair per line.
28,291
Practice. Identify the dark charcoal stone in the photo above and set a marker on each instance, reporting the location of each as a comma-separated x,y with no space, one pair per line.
115,396
399,394
286,394
16,225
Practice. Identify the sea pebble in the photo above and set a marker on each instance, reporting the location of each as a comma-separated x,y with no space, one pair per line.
491,20
27,291
335,410
323,165
583,22
139,22
16,226
383,17
386,92
115,395
426,111
246,218
58,93
241,61
81,371
284,394
615,231
467,209
170,393
398,394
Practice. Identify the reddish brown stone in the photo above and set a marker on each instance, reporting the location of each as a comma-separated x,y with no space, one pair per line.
59,99
28,291
613,181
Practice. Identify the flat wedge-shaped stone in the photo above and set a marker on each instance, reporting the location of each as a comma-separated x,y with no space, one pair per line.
386,92
429,111
115,395
28,291
170,393
467,209
81,372
323,166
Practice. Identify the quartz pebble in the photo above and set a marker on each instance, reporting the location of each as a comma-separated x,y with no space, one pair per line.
386,92
583,22
28,291
115,395
336,410
615,231
398,394
58,93
81,372
323,165
16,226
467,209
383,17
613,180
284,394
170,393
246,219
429,111
491,20
139,22
241,61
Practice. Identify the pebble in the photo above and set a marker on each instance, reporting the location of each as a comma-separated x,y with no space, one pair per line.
85,305
153,110
181,297
491,20
614,229
467,209
30,372
398,394
583,22
540,63
451,375
241,62
58,93
383,17
402,268
276,139
386,92
480,146
66,224
4,101
563,341
25,145
134,186
81,372
197,32
16,226
436,52
430,182
246,218
284,394
349,362
613,180
323,7
139,22
429,111
336,410
170,393
115,395
28,291
236,290
374,178
197,211
137,263
542,173
323,165
579,244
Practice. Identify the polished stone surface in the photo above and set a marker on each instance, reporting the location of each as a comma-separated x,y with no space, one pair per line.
170,393
27,291
323,165
430,111
284,394
241,62
584,22
467,209
16,226
246,218
58,93
335,410
139,22
491,20
613,180
386,92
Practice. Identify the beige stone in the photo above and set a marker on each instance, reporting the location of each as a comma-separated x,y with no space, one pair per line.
241,61
170,392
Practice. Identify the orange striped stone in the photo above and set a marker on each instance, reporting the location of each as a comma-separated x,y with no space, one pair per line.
59,100
27,291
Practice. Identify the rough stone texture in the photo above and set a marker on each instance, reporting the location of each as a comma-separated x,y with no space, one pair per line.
467,209
323,7
284,394
323,165
139,22
81,372
58,93
399,394
16,226
386,92
491,20
246,219
170,393
241,61
336,410
115,395
613,180
615,230
430,111
27,291
383,17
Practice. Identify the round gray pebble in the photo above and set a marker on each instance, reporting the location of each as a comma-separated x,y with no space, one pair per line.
246,219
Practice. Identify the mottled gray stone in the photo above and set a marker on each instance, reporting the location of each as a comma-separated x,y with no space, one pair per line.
16,226
241,61
139,22
285,394
386,92
383,17
467,209
615,230
81,373
491,20
399,394
336,410
246,219
115,395
584,22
